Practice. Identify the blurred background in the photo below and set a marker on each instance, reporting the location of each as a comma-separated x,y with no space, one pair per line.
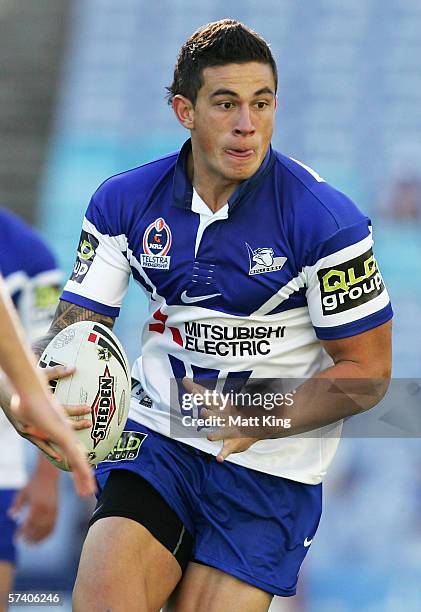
82,98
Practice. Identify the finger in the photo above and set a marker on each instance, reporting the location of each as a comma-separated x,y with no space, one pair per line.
193,387
18,504
45,446
21,532
35,527
83,424
84,480
24,530
223,453
228,447
29,431
34,531
215,436
210,409
78,410
49,450
209,397
82,472
58,371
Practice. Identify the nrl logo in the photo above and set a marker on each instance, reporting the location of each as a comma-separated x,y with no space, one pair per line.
157,240
263,260
103,354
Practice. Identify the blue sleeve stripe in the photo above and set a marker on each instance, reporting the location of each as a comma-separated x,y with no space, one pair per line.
356,327
79,300
340,240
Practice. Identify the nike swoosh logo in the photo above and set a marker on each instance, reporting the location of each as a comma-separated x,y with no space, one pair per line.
198,298
307,542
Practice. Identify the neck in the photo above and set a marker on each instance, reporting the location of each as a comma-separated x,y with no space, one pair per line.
214,193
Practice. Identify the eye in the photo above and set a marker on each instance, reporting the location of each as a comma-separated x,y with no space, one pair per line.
226,105
262,104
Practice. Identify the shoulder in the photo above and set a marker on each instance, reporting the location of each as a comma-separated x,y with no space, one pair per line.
123,195
313,198
320,216
22,248
144,176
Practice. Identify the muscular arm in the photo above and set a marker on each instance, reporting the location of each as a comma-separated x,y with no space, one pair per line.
357,381
65,315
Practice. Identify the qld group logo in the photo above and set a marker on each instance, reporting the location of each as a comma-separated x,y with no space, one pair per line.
156,244
350,284
263,260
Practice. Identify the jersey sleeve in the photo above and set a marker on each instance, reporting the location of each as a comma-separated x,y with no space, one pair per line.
32,276
38,301
101,272
346,294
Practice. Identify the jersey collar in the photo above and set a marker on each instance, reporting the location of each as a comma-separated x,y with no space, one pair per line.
183,189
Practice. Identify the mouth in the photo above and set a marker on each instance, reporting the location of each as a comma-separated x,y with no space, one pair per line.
240,153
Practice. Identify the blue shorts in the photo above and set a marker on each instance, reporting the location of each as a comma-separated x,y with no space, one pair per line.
8,527
252,525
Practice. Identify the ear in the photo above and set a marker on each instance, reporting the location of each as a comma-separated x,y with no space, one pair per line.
184,111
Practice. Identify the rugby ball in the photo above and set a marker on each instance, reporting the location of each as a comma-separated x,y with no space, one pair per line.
101,380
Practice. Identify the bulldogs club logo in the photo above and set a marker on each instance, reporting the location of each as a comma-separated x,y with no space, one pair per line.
156,244
264,260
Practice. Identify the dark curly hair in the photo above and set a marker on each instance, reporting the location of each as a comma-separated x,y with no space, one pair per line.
215,44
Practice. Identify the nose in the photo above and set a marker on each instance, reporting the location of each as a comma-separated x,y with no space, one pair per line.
243,125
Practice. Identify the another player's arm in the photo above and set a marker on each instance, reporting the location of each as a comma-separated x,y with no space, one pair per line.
66,314
35,407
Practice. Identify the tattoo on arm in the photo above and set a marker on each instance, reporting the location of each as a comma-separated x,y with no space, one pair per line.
65,315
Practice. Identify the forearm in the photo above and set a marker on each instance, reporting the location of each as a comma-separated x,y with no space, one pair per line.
45,470
340,391
43,467
22,359
5,398
15,356
65,315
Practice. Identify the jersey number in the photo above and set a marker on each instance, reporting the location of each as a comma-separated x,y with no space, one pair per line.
206,377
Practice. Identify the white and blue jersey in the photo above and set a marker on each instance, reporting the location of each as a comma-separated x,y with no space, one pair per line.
33,281
246,292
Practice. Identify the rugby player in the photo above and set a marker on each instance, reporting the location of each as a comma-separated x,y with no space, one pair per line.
32,280
237,247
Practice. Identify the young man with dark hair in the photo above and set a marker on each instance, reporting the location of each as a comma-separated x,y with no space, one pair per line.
213,45
237,247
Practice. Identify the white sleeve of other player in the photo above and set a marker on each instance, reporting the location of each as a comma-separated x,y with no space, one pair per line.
37,299
38,302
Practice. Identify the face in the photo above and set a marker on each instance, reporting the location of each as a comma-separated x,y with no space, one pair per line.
232,121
